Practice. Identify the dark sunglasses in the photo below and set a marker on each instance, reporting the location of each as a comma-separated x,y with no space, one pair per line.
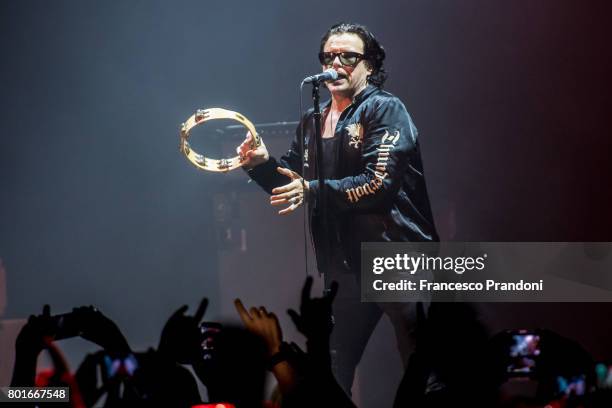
346,58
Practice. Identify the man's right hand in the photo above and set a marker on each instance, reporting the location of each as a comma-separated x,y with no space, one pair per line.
250,157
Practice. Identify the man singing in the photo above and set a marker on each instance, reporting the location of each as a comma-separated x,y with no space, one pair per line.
374,182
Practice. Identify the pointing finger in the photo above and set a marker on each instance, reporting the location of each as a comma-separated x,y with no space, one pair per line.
201,310
181,310
306,289
242,312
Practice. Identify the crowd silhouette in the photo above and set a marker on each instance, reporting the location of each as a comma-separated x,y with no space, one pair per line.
455,363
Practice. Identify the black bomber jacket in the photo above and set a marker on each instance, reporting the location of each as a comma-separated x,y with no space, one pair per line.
380,194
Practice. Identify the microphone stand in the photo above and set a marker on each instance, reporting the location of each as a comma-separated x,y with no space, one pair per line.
322,194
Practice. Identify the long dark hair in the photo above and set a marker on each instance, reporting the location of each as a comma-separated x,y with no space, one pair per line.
373,51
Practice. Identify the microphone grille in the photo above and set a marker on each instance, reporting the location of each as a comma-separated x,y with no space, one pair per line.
332,73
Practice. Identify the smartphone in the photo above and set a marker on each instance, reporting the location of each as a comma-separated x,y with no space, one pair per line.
119,366
66,326
524,350
603,376
209,332
571,387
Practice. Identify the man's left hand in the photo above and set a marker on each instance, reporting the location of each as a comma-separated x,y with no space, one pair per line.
292,193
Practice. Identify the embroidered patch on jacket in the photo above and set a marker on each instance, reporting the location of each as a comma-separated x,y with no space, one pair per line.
355,131
387,144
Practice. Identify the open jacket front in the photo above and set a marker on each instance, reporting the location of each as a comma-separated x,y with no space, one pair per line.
379,193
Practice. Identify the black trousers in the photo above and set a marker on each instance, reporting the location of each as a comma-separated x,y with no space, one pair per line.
355,322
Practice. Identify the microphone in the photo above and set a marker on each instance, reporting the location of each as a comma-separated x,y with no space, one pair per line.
328,75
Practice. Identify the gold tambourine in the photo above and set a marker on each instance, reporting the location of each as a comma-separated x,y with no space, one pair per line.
202,162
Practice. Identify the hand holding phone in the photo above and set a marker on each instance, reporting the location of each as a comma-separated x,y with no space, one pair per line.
94,326
67,326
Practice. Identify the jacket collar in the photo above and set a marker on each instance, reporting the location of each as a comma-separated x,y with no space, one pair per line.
367,91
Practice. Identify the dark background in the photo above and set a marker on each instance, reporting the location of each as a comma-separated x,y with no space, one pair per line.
97,205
